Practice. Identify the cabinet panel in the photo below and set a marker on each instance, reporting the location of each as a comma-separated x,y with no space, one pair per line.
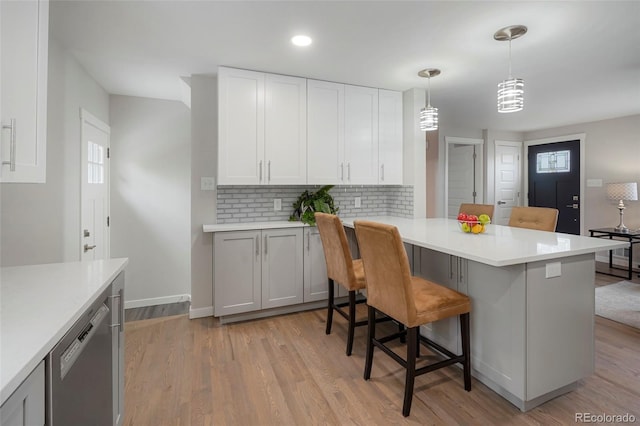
26,405
390,137
282,264
24,31
285,130
240,127
361,135
325,132
315,267
237,272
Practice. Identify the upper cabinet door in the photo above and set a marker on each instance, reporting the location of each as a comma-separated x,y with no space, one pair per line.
361,135
325,133
285,130
24,32
240,127
390,137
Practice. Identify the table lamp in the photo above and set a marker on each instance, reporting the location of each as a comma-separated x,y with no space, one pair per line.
622,192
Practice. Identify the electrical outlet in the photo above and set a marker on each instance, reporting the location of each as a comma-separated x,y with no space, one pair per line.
207,183
358,202
277,204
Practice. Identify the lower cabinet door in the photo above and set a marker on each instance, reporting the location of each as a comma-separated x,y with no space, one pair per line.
282,264
315,267
237,272
26,405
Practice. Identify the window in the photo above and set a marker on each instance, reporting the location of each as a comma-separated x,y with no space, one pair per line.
553,162
95,163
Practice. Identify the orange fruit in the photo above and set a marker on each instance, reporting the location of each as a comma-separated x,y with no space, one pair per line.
477,228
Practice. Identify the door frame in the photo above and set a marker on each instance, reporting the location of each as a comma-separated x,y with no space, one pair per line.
582,137
86,118
451,140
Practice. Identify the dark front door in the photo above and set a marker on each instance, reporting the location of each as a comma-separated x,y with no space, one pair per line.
554,181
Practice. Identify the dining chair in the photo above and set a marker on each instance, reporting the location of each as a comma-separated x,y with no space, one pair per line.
540,218
409,300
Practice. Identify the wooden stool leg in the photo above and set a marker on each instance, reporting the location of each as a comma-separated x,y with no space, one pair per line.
352,321
371,334
418,342
403,338
411,370
466,350
330,303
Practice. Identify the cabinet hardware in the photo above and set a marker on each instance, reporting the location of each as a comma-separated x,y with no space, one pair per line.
120,323
260,172
87,247
269,171
342,171
382,172
349,172
257,246
450,267
86,233
308,241
265,246
12,146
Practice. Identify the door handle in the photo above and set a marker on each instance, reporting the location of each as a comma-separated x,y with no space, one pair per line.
573,206
87,247
12,146
501,203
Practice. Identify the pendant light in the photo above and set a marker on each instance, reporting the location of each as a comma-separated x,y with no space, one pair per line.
511,90
429,114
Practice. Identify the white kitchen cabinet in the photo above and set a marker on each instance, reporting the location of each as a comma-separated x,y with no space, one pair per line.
25,406
390,137
24,32
315,267
256,270
261,129
285,127
325,132
360,135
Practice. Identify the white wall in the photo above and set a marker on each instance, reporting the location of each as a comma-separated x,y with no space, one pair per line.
414,162
40,223
204,160
151,197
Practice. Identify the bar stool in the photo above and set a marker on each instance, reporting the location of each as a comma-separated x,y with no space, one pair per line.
476,209
540,218
410,300
341,269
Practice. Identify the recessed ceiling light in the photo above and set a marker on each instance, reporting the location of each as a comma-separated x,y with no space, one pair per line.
301,40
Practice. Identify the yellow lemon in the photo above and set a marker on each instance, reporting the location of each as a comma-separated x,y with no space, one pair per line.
477,228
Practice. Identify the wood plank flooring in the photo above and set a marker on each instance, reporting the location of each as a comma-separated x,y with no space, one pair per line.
286,371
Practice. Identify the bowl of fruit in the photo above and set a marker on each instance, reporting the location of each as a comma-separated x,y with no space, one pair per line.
472,224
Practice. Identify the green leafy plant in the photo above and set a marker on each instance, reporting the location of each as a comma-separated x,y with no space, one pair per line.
310,202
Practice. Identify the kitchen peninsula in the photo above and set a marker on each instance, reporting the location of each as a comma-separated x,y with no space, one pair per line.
533,298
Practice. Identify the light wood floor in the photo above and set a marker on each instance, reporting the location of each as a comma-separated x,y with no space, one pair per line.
286,371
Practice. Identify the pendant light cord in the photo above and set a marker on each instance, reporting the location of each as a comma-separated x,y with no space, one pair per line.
510,76
429,92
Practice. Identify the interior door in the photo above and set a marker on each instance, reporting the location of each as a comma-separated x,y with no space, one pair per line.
507,180
554,181
461,178
94,232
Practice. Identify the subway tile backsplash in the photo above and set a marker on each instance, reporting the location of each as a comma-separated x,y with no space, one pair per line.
255,203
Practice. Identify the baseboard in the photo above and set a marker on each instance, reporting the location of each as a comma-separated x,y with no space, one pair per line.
139,303
200,312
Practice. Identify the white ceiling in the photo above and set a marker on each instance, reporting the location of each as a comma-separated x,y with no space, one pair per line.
580,60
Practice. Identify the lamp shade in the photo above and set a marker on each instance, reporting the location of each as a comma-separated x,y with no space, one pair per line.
622,191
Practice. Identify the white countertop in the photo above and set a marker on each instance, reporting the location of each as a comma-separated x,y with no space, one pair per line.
247,226
498,246
38,305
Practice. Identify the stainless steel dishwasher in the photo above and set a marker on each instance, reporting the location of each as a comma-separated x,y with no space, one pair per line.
79,370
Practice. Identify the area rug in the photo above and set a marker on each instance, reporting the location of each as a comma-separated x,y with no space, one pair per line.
619,302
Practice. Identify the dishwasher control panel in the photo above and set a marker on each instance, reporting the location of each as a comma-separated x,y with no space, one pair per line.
72,351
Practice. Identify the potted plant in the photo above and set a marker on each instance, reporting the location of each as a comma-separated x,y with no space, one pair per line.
310,202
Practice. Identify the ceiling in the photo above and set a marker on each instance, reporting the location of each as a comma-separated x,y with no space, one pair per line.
580,60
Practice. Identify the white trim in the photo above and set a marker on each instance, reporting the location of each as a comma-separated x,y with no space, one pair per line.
152,301
462,141
200,312
580,136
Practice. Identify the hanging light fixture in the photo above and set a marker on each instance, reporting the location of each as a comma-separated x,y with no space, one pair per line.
511,90
429,114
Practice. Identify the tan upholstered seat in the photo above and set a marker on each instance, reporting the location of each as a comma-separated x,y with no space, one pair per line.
341,269
540,218
476,209
410,300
